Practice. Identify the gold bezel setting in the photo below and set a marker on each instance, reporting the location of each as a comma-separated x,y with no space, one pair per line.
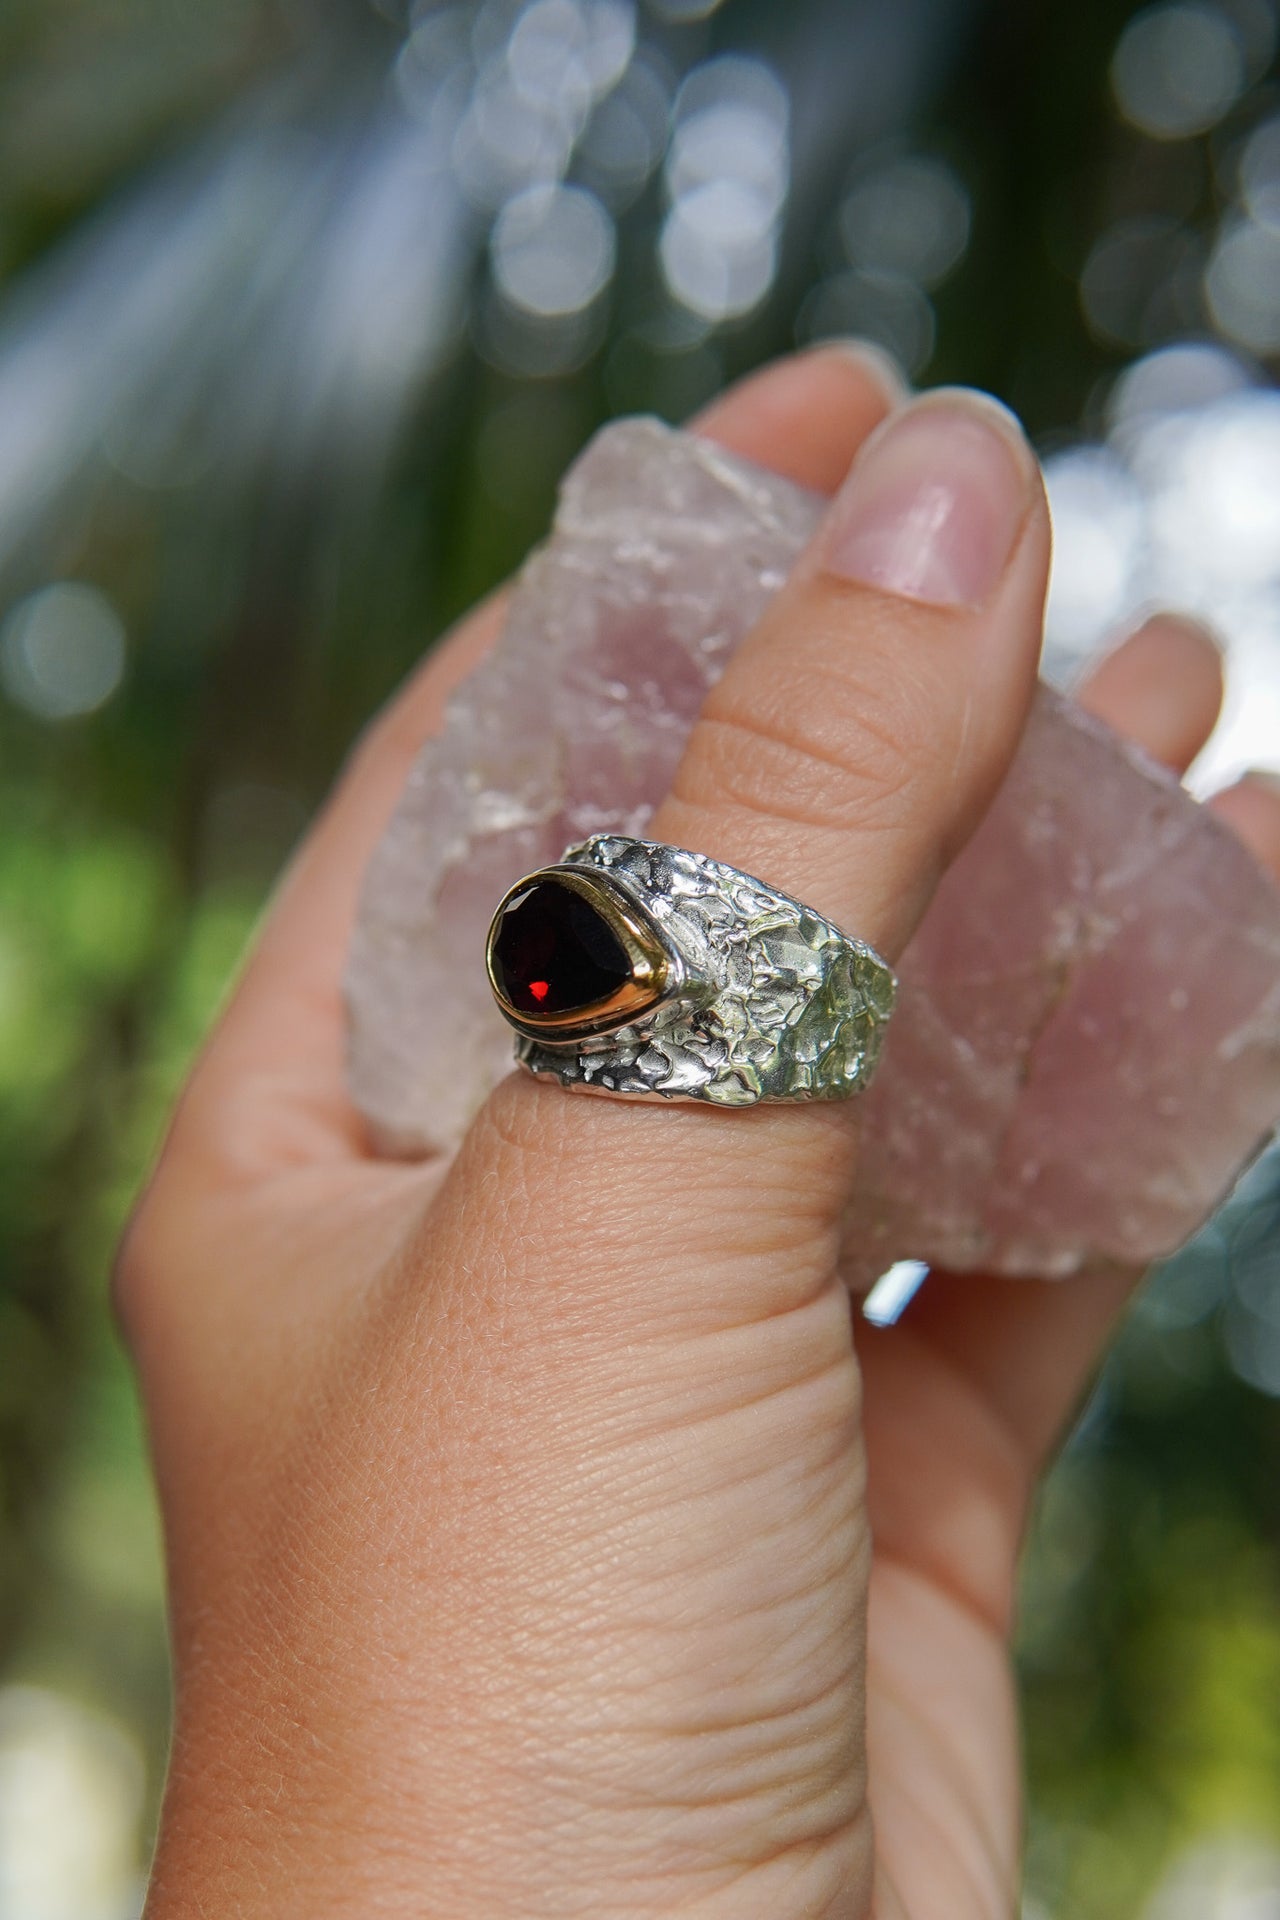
653,967
712,984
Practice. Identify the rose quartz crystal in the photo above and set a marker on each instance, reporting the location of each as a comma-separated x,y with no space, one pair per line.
1086,1048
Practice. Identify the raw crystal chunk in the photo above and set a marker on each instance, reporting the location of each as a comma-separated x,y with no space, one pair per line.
1087,1043
1086,1048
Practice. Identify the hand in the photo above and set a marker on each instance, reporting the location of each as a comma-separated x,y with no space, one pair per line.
520,1513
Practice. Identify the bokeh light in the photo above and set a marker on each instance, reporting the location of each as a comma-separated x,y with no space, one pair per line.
566,54
727,177
1178,69
552,250
62,651
505,140
1181,508
1236,1877
626,137
1098,535
907,215
901,229
71,1785
1242,284
1141,281
434,61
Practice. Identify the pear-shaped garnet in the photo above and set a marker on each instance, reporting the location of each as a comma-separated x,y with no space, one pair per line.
552,953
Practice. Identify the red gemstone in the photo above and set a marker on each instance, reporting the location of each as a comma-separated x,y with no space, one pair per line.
553,953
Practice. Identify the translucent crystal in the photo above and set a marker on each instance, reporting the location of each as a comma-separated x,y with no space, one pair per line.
1087,1044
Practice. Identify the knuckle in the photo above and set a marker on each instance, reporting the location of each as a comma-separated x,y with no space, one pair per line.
823,744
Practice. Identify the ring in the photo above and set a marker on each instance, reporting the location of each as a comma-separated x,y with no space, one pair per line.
642,970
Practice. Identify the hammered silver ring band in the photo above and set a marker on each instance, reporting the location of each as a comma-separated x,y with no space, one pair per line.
645,971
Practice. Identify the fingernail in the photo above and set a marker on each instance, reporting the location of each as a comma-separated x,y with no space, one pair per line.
876,361
934,502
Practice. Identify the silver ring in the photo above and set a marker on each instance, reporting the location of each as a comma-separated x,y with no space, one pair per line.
644,971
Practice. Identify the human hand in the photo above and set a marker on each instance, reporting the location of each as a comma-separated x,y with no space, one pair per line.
520,1513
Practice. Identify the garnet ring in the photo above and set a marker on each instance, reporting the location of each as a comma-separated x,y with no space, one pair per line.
640,970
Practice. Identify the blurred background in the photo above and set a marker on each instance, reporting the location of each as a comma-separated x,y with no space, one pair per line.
304,306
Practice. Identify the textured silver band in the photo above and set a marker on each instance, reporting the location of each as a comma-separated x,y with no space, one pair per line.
763,1000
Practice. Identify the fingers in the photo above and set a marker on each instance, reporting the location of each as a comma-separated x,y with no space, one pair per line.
808,414
281,1041
1251,808
1161,688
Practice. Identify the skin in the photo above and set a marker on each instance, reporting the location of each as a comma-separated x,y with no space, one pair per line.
519,1530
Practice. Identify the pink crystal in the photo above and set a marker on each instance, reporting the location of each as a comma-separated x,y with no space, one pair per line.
1087,1044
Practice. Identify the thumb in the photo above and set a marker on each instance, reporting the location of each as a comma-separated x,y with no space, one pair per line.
861,731
845,757
637,1304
